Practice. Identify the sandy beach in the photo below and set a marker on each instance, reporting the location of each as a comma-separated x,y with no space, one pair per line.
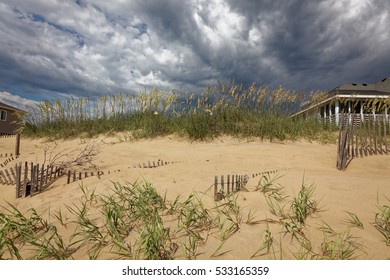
359,190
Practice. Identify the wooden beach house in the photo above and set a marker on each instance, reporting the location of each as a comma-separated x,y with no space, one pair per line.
9,120
362,100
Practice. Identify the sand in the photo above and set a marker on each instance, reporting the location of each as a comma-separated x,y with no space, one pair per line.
194,165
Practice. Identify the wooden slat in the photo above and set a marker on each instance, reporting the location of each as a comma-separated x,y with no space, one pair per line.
42,178
223,184
18,178
215,188
370,134
379,136
228,185
25,179
374,134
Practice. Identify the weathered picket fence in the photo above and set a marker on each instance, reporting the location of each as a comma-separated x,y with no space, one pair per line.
33,178
361,136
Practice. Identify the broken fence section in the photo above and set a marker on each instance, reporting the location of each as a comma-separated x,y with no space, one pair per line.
33,178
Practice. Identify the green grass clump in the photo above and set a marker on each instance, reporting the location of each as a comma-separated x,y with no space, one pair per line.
382,221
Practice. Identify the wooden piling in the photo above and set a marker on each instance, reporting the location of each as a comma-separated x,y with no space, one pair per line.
17,145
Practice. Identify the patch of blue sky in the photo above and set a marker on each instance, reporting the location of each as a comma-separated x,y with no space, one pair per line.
77,36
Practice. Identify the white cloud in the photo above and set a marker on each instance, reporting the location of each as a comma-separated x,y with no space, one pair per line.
16,101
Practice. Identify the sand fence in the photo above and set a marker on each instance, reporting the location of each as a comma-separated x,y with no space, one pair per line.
30,178
227,185
361,136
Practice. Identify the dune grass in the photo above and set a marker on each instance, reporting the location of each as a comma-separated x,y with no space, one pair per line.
133,221
223,109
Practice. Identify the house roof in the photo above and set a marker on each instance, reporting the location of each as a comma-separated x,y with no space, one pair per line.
381,89
9,107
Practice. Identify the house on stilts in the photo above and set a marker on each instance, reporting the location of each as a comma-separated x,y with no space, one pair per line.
363,101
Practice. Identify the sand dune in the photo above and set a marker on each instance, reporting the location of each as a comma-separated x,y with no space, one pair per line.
194,165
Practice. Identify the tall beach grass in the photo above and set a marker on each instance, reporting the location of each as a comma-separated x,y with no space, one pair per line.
222,109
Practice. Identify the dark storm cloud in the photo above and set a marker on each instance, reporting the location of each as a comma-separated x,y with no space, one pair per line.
320,43
92,47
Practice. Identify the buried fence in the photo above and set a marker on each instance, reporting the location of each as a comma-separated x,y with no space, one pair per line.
8,160
34,178
234,183
73,176
153,164
361,136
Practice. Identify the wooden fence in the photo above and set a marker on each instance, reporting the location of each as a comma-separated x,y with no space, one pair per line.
154,164
34,178
73,176
8,160
234,183
6,135
6,155
360,137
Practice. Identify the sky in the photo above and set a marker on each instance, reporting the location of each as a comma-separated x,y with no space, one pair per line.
61,48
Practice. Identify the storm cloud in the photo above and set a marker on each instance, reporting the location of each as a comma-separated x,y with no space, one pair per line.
80,48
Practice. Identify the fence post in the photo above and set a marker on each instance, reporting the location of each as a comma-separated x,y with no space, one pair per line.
41,181
25,179
17,145
32,179
375,140
222,185
215,188
68,181
47,174
228,185
51,172
379,135
18,177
